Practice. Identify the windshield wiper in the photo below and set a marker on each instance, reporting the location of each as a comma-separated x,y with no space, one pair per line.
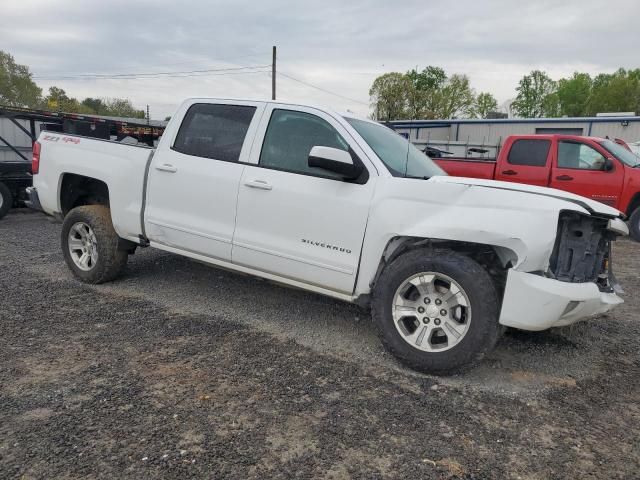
417,177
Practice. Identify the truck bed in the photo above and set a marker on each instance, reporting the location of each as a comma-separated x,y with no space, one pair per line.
120,166
467,167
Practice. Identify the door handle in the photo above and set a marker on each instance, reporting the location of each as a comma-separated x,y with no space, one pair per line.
166,168
564,177
509,172
261,184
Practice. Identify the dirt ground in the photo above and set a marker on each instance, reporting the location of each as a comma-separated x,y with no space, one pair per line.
179,370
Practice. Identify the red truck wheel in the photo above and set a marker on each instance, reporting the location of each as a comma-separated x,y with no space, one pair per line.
634,225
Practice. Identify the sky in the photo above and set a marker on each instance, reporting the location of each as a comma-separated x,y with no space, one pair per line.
329,52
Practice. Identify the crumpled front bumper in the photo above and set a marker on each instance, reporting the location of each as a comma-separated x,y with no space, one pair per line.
534,302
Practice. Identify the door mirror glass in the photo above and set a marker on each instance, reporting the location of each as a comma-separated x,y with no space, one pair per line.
334,160
608,165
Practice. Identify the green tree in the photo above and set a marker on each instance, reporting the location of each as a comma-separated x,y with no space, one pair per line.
58,100
434,95
485,103
94,104
389,93
616,92
456,98
423,100
574,93
17,88
121,107
537,96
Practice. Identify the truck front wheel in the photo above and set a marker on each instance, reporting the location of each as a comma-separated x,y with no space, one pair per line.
436,310
634,225
90,244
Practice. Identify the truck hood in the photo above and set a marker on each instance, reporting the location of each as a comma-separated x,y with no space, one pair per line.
591,206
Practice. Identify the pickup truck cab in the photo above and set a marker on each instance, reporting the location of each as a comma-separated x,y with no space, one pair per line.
596,168
341,206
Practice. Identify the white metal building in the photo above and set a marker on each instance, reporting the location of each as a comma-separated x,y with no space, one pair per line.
457,135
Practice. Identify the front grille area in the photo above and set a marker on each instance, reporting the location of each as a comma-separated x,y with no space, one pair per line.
582,249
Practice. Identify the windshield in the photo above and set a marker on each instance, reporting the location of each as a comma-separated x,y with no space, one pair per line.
621,153
398,154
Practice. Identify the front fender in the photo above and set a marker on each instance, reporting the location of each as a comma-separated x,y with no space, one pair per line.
517,222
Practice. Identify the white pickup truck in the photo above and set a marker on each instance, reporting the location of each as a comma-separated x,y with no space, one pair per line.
341,206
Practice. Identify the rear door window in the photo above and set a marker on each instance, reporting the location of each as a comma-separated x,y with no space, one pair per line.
214,131
530,153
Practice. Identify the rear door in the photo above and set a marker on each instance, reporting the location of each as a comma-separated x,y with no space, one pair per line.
580,168
296,221
527,161
193,180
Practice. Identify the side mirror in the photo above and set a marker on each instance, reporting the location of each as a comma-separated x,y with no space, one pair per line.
608,165
334,160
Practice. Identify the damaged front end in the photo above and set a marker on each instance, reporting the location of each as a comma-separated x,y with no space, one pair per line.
579,282
582,251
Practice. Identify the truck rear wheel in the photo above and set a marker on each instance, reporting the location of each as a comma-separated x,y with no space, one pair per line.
90,244
634,225
436,310
6,200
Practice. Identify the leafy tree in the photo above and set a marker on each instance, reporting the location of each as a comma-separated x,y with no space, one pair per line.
485,103
423,100
17,88
536,97
617,92
58,100
574,93
121,107
94,104
456,98
389,96
434,95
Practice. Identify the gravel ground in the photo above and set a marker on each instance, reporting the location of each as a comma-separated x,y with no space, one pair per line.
179,370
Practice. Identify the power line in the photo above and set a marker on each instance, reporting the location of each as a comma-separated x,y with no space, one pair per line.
185,73
321,89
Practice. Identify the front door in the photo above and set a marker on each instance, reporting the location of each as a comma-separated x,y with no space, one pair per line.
580,168
193,181
296,221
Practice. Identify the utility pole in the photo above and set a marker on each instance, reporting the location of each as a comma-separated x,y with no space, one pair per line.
273,74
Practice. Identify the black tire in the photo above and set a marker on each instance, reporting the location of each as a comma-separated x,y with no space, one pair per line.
111,259
634,225
6,200
483,330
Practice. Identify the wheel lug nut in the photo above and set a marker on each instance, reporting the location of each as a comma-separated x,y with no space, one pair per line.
420,310
438,301
443,312
425,320
437,321
427,301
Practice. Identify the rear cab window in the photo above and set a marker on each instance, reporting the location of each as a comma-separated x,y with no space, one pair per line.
214,131
529,152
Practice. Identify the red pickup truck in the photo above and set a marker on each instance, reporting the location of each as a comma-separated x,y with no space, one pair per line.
595,168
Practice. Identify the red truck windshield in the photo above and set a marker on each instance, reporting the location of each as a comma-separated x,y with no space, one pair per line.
621,153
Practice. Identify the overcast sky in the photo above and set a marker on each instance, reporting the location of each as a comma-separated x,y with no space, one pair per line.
337,45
